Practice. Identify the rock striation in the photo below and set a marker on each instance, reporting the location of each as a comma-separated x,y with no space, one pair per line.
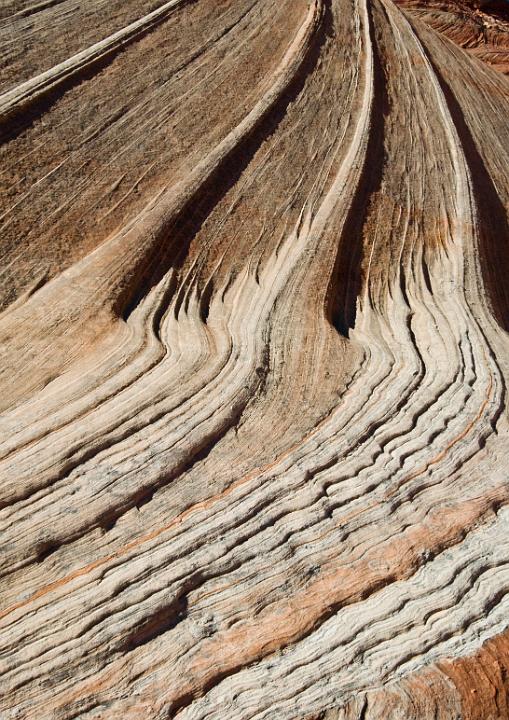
479,26
254,333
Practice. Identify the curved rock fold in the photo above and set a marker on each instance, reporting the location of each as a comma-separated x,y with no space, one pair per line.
254,332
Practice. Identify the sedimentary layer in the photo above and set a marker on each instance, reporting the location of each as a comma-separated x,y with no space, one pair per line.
254,336
481,27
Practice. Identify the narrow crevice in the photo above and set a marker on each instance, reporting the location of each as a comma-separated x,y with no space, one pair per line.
346,281
175,244
402,285
493,223
426,275
205,299
182,702
107,520
45,549
363,715
158,623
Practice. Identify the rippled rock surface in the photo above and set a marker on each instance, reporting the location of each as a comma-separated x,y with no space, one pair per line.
254,332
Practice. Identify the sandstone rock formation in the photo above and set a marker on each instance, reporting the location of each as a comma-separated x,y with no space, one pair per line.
254,333
479,26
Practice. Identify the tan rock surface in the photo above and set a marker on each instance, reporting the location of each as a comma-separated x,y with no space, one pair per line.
254,438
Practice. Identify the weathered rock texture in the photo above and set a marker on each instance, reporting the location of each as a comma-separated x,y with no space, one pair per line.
254,439
479,26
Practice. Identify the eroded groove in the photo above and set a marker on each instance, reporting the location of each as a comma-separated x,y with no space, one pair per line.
174,247
346,283
254,438
493,222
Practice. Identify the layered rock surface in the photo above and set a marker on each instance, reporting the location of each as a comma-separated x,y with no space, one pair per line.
479,26
254,435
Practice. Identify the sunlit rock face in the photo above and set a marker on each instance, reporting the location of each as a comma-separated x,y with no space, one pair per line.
255,310
479,26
